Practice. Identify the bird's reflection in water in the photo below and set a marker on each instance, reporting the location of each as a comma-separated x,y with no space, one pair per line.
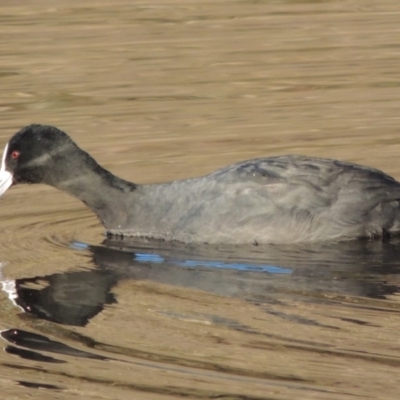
361,268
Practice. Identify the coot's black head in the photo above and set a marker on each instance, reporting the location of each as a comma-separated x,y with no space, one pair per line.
36,154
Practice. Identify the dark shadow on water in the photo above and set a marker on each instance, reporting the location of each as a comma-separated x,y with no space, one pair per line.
37,343
257,274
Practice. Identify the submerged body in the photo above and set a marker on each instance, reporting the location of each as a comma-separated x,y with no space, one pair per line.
282,199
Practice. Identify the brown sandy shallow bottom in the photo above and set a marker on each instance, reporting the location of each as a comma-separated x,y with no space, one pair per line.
171,89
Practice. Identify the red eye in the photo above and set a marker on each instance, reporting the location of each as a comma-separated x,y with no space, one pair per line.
15,154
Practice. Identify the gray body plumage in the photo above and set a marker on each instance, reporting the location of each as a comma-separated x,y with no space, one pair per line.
282,199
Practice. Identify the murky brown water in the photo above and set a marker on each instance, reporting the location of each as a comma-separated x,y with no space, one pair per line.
170,89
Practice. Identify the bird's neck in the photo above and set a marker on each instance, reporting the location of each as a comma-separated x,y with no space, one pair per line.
104,193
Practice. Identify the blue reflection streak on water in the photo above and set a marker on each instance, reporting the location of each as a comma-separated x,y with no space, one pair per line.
157,259
79,246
